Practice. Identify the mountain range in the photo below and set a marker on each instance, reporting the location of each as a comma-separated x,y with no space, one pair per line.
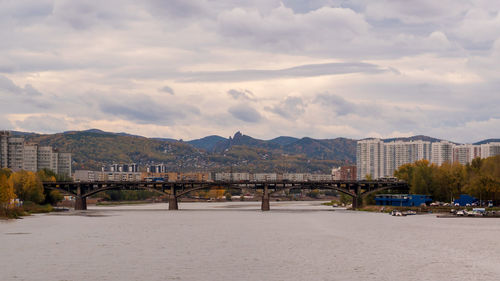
93,148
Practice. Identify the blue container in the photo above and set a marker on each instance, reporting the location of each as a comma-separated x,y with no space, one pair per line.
465,199
404,200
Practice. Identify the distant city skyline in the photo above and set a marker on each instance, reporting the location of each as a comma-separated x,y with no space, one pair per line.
191,68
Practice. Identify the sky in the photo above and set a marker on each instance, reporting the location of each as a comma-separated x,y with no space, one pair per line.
186,69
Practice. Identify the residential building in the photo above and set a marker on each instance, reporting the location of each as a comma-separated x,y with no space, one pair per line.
92,176
379,159
442,152
265,177
296,176
46,158
319,177
131,167
30,157
349,173
4,148
490,149
232,176
370,158
398,153
64,164
16,155
157,168
86,176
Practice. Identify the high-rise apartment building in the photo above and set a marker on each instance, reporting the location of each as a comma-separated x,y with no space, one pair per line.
398,153
379,159
30,158
64,163
46,157
17,155
442,152
490,149
370,159
4,148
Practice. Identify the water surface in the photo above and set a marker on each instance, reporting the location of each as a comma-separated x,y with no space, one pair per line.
236,241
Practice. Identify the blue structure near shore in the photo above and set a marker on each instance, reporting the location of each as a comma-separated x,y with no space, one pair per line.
404,200
465,199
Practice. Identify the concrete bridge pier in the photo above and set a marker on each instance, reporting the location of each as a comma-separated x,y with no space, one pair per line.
80,203
172,199
265,199
357,201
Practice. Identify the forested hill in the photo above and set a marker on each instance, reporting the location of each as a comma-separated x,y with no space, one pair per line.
93,148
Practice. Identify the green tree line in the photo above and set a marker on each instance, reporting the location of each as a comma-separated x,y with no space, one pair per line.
480,178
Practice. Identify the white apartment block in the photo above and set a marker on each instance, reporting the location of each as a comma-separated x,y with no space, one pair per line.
490,149
442,152
379,159
92,176
17,155
320,177
30,157
370,158
63,163
464,153
296,176
232,176
4,148
46,158
265,177
398,153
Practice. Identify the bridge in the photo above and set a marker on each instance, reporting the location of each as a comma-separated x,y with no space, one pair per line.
174,190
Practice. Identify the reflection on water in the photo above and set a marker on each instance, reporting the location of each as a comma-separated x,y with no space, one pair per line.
236,241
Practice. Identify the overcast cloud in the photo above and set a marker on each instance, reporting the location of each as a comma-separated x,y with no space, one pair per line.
191,68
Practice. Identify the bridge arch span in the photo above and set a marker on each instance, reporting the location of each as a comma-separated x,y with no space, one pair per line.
366,193
123,188
207,186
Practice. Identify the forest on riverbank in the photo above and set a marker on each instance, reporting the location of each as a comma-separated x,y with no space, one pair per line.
480,178
26,187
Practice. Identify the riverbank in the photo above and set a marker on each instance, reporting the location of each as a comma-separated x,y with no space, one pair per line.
421,209
26,210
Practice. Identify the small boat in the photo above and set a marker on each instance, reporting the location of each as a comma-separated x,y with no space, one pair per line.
397,213
409,213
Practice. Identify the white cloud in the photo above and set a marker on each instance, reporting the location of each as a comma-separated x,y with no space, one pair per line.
321,68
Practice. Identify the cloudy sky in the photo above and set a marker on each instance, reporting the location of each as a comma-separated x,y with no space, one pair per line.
191,68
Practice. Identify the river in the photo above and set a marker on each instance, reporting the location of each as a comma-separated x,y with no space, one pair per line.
236,241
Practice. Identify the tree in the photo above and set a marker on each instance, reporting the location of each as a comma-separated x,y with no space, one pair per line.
46,175
345,199
27,186
314,193
6,191
483,178
420,176
449,181
53,197
404,172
